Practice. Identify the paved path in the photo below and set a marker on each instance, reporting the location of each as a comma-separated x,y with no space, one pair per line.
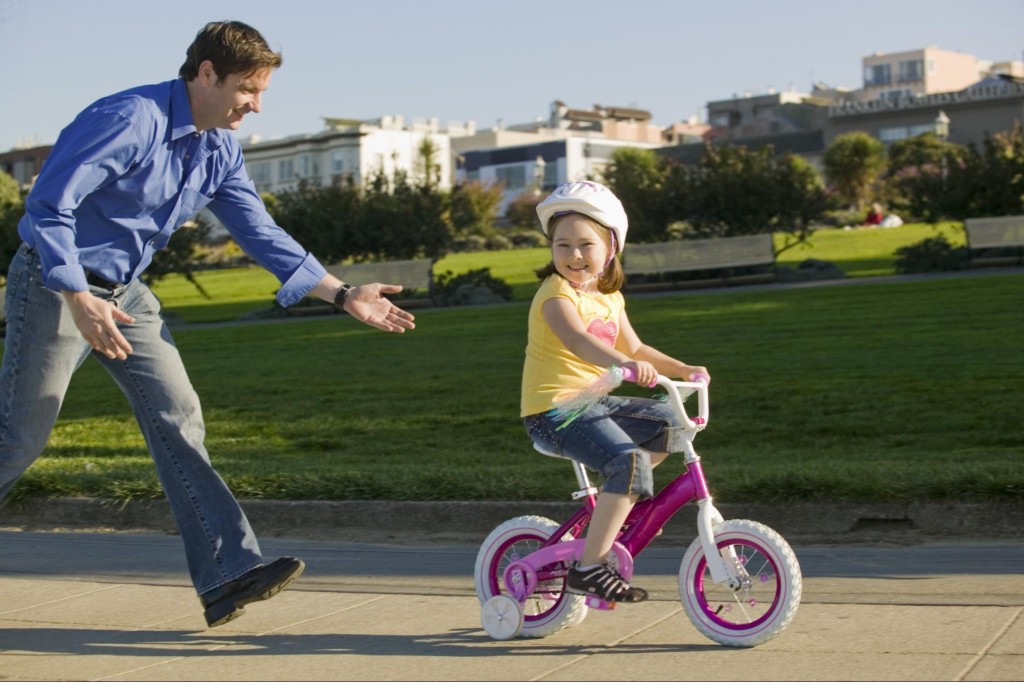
117,606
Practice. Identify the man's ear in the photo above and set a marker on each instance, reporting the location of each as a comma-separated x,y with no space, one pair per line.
207,76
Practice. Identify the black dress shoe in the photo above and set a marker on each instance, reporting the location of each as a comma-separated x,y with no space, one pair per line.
227,601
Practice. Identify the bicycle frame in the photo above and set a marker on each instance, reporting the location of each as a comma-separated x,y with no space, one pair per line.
645,520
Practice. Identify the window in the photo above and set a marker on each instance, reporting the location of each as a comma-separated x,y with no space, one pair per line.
551,174
877,74
514,177
286,170
260,173
888,135
337,162
308,166
912,70
895,95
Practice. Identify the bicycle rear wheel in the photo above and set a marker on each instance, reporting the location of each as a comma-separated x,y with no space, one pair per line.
549,608
761,608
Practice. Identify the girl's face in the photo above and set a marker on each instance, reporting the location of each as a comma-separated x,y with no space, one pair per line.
580,250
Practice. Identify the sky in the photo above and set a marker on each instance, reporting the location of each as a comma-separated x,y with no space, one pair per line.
483,61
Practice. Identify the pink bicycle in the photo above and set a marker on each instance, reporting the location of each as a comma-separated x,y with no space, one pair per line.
739,580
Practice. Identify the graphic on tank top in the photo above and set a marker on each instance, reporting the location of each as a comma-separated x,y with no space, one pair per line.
605,329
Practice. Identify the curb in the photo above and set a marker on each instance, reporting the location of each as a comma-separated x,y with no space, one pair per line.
470,522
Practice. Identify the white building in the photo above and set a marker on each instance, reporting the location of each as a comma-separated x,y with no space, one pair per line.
350,148
543,165
571,144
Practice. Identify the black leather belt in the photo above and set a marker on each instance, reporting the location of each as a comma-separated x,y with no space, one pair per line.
90,277
97,281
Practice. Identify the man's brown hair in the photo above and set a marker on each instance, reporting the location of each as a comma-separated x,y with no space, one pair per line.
232,47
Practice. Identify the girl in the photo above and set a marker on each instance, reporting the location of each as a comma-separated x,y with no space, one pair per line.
577,329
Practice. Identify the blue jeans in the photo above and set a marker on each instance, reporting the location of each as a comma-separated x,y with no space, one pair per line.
614,437
43,348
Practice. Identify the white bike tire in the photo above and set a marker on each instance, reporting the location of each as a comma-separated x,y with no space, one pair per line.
760,614
542,615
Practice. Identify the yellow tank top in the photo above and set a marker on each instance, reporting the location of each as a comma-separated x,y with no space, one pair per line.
551,371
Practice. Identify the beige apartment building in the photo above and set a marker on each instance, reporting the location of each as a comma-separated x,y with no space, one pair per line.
900,75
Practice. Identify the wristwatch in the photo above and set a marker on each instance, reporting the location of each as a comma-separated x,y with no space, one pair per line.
339,298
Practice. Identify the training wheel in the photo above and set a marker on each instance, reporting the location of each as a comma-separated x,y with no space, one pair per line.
502,617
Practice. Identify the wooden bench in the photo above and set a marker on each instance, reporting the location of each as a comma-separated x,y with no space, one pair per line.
996,241
725,260
415,276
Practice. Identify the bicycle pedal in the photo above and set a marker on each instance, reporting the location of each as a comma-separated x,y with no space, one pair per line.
600,604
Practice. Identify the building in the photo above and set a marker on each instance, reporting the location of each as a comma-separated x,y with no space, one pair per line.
964,117
541,166
23,164
352,148
571,144
774,113
901,75
954,95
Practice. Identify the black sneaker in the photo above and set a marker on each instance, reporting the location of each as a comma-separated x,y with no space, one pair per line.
603,582
227,602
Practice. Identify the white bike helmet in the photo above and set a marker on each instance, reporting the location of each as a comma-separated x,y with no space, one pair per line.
592,200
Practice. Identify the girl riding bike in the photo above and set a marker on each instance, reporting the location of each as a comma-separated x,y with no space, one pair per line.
578,329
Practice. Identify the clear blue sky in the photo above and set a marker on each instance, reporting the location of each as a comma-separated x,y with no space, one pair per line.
479,60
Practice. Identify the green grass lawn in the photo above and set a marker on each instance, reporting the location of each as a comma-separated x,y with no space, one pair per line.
897,391
234,292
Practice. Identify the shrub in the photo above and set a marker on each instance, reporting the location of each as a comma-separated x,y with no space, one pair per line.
934,254
474,287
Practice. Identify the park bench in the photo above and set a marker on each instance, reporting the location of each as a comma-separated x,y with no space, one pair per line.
415,276
707,262
996,241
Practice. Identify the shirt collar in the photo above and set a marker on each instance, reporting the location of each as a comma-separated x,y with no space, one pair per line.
182,123
181,111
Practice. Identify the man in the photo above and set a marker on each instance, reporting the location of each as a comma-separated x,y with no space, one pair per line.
122,177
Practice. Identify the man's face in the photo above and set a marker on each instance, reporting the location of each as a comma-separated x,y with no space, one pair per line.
224,102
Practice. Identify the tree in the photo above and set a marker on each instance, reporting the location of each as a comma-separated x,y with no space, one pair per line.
325,220
474,208
522,211
853,163
427,166
914,174
12,205
637,177
181,255
734,190
402,220
954,182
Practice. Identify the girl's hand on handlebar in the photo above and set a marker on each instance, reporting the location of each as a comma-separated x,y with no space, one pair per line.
646,375
697,373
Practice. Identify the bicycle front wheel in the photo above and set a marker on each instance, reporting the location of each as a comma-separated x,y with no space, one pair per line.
549,608
762,606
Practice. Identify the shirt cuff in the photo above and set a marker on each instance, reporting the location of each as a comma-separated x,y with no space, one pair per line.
67,278
302,281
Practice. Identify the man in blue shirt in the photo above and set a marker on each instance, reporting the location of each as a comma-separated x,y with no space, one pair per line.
121,179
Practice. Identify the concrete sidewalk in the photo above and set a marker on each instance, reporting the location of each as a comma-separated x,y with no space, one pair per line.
118,606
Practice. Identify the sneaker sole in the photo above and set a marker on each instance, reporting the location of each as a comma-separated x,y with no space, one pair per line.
230,609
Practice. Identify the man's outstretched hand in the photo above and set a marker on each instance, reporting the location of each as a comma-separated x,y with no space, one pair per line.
368,304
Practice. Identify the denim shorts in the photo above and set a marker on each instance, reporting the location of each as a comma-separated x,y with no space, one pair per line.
614,437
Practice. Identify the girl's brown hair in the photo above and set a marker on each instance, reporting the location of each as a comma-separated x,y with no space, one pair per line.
611,279
232,47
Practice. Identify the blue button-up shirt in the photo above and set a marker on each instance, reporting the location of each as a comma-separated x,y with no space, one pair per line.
127,173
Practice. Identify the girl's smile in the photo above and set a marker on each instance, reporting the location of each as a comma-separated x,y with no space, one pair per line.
579,251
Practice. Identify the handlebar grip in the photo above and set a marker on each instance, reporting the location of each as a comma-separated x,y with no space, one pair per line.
629,374
701,377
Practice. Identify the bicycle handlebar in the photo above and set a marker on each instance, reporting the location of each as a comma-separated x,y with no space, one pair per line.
699,384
